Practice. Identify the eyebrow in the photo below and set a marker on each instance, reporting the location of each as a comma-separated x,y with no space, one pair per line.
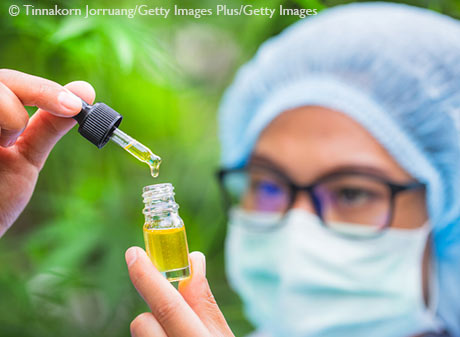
350,168
260,159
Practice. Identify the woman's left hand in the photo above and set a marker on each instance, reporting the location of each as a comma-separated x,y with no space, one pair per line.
191,311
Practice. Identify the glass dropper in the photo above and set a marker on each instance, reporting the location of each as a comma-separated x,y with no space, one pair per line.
138,150
99,124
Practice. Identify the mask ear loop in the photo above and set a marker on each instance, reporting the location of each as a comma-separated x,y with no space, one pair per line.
431,303
433,285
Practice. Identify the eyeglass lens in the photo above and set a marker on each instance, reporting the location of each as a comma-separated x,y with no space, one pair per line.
344,199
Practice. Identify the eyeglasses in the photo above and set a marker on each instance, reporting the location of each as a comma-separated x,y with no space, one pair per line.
349,202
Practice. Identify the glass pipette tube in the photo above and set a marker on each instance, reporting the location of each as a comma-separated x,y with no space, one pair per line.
138,150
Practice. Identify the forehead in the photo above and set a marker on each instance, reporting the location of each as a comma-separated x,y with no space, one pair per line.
307,142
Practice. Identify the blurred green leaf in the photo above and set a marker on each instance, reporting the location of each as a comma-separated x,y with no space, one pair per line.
69,28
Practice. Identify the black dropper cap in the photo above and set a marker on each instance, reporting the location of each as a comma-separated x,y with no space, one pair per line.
97,122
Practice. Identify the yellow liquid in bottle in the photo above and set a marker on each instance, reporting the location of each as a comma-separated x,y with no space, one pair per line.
168,250
144,154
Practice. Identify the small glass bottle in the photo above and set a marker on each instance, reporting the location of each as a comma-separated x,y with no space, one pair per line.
164,232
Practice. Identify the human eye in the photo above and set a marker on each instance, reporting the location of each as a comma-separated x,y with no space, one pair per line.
266,195
350,196
265,187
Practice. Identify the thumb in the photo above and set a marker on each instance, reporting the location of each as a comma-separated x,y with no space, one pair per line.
199,297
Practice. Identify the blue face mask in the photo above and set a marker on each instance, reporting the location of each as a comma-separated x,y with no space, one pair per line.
303,280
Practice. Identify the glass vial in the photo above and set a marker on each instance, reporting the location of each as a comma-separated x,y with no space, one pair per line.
164,232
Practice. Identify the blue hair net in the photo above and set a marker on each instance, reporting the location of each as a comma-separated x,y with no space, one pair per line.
393,68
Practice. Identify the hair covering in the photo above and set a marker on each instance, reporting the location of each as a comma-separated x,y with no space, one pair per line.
393,68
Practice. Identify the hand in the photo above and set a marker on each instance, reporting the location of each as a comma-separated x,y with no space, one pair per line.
188,313
25,144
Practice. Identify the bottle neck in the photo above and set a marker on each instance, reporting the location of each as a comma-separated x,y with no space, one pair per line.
159,201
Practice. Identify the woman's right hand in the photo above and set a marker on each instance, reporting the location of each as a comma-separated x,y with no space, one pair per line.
25,144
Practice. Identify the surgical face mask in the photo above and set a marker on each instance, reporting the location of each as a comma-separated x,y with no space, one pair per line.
304,280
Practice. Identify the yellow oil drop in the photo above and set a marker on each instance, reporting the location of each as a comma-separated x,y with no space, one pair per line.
154,164
144,154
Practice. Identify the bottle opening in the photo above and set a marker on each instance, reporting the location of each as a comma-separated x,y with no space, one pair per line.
157,189
159,198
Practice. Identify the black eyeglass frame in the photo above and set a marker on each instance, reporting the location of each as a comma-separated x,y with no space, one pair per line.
295,189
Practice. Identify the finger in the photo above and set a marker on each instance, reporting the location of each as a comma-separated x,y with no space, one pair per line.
166,304
145,325
36,91
195,290
13,116
45,129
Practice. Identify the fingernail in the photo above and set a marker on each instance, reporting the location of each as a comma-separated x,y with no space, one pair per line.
69,101
201,263
9,138
5,144
11,142
131,256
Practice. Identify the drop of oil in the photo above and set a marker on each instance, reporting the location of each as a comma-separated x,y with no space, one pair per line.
154,163
144,154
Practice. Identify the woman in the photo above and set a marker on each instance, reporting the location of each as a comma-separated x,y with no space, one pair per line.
341,157
342,164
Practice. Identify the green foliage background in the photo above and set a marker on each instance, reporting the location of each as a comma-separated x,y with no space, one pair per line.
62,270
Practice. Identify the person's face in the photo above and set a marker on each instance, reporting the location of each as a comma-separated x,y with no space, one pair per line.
309,142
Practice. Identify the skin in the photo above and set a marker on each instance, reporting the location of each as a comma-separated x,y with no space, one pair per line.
314,141
332,141
24,146
306,143
303,136
192,311
26,143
